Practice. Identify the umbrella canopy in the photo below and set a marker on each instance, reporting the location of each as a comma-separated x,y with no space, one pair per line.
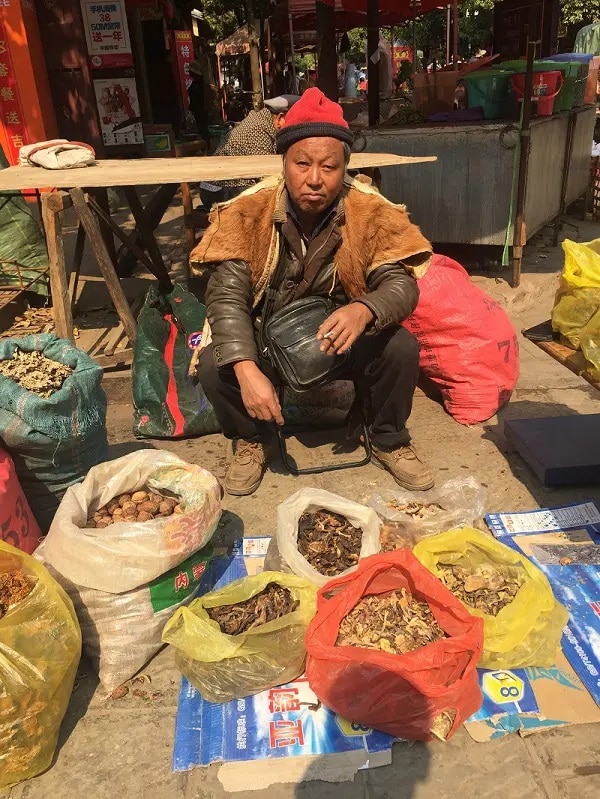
236,44
353,13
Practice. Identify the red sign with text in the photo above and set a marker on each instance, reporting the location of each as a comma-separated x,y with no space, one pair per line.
183,48
11,110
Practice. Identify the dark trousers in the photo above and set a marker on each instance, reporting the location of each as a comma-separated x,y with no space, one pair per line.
385,368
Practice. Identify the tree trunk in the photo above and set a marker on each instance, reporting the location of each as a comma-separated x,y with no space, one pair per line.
326,50
373,69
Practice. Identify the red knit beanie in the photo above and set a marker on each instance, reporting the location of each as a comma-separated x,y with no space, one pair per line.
313,115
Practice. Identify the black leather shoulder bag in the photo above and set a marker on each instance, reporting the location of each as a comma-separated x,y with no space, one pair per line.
289,337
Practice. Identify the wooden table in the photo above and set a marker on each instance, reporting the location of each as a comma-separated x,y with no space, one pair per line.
78,189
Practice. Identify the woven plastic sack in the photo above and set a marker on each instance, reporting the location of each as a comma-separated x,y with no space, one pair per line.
456,503
469,347
167,402
17,523
55,441
224,667
283,549
527,631
404,695
578,298
127,579
40,647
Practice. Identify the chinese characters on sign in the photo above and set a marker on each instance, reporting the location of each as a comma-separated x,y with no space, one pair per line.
107,34
184,55
285,732
11,112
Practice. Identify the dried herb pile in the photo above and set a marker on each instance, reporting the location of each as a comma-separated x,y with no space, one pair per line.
36,373
484,588
14,586
272,603
395,623
141,506
416,510
328,541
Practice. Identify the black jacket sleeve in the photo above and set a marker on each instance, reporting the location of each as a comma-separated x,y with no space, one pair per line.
392,295
229,311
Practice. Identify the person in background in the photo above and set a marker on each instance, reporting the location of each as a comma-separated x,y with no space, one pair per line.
197,95
254,135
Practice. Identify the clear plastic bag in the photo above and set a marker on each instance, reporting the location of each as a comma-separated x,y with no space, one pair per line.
527,631
40,647
311,499
224,667
456,503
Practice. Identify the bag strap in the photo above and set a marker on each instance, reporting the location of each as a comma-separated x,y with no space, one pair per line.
311,271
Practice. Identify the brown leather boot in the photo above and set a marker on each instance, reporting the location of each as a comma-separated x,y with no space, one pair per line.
246,469
405,466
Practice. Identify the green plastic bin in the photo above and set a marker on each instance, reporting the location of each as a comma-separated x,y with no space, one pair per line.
490,89
570,72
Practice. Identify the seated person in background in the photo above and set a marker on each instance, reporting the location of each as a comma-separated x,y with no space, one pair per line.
367,256
254,135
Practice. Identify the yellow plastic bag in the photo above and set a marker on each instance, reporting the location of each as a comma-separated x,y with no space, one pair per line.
224,667
526,632
578,296
40,646
590,345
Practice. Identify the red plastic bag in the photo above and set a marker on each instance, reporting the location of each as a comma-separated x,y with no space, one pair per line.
17,523
469,347
403,695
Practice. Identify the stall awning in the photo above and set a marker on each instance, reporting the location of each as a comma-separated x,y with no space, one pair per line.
236,44
353,13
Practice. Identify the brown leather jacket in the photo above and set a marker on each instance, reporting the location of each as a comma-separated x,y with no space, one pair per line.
234,316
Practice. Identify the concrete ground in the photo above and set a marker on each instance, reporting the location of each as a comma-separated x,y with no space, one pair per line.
124,747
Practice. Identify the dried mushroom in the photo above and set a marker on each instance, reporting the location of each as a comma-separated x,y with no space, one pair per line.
416,510
328,542
34,372
14,587
485,588
271,603
141,506
396,623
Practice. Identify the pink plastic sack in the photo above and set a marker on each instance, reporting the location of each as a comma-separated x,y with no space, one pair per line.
17,523
469,347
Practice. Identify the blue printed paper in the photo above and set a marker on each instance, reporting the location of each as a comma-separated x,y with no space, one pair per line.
505,692
564,543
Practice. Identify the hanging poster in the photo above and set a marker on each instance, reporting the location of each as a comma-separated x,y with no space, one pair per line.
184,55
107,34
117,104
12,118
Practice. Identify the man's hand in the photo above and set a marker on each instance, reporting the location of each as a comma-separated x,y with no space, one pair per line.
258,393
340,330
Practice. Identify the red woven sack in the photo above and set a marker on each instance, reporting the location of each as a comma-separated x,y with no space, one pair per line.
469,347
399,694
17,523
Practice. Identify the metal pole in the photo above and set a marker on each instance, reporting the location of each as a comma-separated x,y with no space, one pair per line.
520,235
373,69
414,36
448,23
455,34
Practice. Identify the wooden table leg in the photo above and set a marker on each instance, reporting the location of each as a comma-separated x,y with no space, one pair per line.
107,266
190,237
59,289
145,231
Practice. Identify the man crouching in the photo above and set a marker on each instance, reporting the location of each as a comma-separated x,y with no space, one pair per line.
314,232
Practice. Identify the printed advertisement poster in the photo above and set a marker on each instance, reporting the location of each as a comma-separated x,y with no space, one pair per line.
107,34
117,104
